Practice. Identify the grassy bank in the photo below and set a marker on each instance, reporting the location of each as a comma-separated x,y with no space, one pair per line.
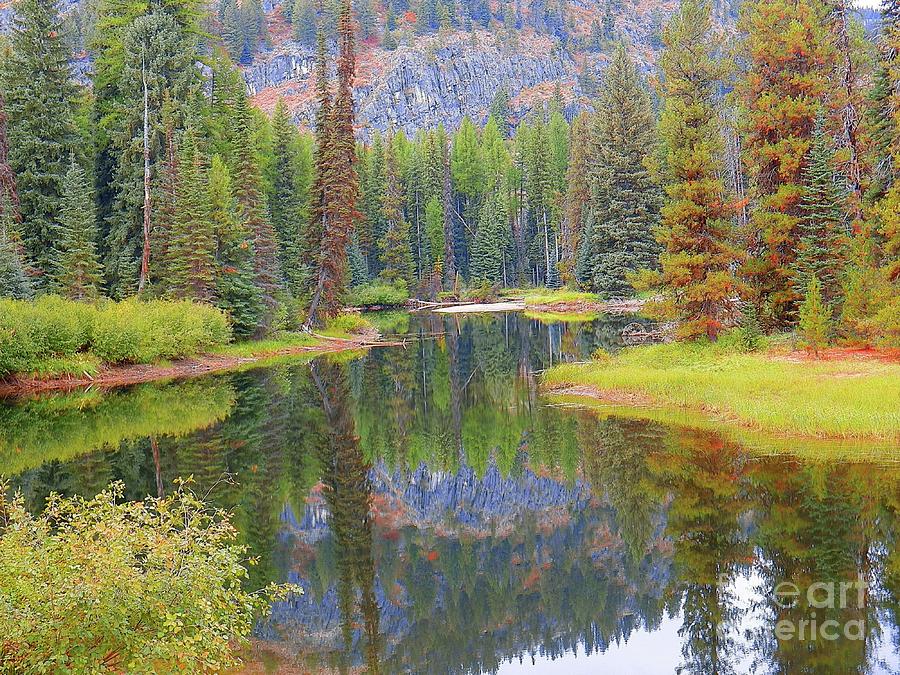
52,339
768,392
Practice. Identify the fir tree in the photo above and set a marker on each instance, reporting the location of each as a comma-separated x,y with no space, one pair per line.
40,103
490,241
789,59
287,204
248,193
396,256
695,274
815,317
305,22
625,201
341,207
14,282
9,194
76,272
821,228
577,196
324,174
232,30
159,61
191,251
236,290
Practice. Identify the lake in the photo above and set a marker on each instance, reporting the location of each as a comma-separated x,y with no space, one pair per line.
442,516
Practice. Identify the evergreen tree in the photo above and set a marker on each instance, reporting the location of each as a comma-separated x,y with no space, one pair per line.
305,22
789,59
76,270
14,282
191,252
625,201
287,204
251,209
236,290
815,317
490,243
159,62
466,166
577,196
373,192
9,194
232,30
341,205
499,110
40,103
695,274
396,256
821,228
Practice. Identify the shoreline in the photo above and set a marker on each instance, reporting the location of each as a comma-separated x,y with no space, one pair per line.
124,375
746,391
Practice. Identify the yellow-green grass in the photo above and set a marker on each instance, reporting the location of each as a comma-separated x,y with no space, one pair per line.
562,317
847,399
543,296
255,348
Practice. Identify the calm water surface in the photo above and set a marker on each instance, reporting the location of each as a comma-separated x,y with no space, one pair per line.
443,518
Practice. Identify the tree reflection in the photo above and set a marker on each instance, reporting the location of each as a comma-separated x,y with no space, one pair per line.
348,493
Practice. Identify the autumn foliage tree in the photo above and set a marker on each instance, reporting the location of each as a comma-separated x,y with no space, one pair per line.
789,57
695,277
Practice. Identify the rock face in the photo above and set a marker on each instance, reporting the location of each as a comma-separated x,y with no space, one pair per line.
435,80
421,88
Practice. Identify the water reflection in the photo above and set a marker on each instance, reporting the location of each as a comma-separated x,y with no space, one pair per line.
442,518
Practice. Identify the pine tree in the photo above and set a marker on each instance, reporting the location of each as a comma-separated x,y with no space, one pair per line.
14,282
236,290
823,235
9,195
341,211
287,204
625,200
248,193
40,103
165,207
490,241
695,275
324,174
815,317
232,30
191,252
789,60
396,256
159,61
373,194
577,196
76,269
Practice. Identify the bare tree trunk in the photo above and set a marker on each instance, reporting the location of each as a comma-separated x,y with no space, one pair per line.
145,256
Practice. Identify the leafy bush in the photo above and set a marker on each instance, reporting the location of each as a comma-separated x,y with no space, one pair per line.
130,331
377,294
96,585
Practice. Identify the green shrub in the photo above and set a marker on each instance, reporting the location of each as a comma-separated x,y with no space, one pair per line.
104,586
124,332
377,294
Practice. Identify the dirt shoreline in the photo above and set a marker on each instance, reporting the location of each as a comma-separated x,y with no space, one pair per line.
111,377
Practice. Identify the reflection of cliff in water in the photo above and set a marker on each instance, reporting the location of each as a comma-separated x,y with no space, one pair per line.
472,571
